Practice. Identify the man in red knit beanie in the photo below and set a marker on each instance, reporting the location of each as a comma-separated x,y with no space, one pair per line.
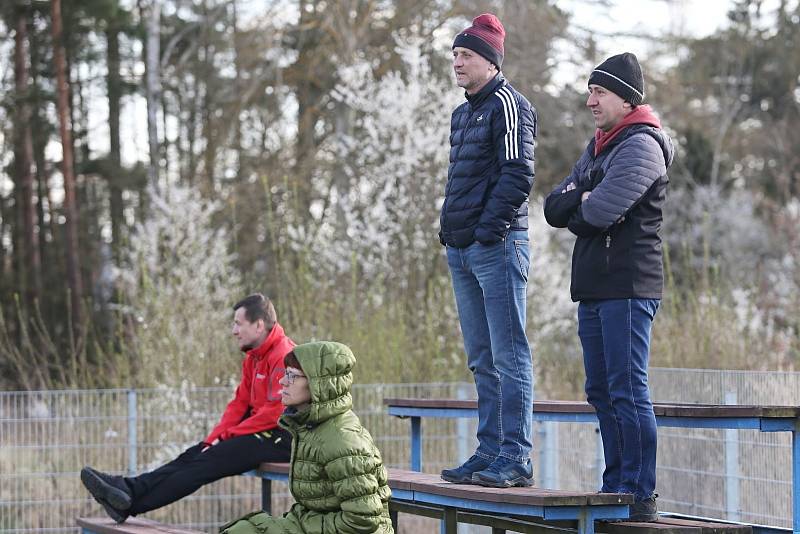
484,226
246,435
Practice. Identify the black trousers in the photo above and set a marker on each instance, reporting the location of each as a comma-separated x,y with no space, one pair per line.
193,468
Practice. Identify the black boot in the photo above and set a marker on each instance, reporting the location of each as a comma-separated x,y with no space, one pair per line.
644,511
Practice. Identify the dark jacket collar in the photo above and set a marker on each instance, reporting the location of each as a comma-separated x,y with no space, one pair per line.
491,86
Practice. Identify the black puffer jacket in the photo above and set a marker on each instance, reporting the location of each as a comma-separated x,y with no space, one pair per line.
491,166
618,250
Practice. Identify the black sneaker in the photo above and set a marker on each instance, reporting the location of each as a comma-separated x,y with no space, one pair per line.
504,473
107,489
463,473
644,511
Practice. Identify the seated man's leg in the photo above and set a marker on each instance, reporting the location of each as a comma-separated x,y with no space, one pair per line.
228,457
145,483
118,494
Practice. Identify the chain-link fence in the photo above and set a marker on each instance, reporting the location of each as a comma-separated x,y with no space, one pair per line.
46,437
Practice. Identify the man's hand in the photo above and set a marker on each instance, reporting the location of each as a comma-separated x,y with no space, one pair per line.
570,187
209,445
585,195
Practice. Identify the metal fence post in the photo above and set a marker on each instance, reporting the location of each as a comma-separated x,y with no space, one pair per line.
732,507
132,437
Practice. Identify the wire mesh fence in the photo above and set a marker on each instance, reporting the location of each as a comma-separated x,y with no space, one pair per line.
47,436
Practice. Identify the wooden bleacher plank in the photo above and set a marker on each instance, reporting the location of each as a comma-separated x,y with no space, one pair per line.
424,482
721,410
513,524
402,479
523,496
275,467
660,408
472,404
134,525
708,527
633,527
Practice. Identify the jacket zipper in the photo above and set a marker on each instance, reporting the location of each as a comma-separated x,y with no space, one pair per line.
294,435
608,252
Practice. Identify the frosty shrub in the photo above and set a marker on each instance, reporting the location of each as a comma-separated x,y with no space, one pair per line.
729,297
708,229
370,271
181,283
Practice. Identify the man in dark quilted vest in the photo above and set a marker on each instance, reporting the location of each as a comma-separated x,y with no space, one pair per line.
612,201
484,226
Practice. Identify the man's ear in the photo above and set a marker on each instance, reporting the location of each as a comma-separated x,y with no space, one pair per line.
627,105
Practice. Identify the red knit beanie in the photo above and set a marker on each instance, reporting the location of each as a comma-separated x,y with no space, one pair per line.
485,36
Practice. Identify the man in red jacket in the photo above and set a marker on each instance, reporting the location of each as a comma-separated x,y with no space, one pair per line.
246,435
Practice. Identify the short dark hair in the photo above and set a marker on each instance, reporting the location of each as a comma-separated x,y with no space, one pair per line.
257,306
290,360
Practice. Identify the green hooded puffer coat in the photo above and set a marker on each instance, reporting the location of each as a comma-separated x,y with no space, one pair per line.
337,475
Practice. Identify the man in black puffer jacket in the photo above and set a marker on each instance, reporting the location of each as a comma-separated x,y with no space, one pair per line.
612,202
484,225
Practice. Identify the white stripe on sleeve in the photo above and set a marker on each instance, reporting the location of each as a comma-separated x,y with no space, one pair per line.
511,112
506,115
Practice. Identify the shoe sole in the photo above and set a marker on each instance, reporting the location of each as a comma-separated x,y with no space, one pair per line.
102,491
519,482
112,512
456,480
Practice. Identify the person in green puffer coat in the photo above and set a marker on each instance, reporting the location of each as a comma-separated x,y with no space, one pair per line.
336,474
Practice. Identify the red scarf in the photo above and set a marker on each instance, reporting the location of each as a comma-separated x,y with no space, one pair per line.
640,115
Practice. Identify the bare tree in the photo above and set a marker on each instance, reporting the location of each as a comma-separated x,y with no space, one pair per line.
153,88
114,85
67,161
24,159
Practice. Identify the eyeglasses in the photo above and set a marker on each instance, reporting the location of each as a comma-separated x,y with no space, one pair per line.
291,376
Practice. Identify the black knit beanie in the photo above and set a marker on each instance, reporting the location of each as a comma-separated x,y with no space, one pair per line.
622,75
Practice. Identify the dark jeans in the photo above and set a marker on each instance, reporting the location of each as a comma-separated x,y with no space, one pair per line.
615,335
193,468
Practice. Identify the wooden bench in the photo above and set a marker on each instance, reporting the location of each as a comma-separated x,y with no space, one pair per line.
534,510
430,496
529,510
742,417
134,525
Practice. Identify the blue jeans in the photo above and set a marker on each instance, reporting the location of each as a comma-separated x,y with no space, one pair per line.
615,335
489,282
